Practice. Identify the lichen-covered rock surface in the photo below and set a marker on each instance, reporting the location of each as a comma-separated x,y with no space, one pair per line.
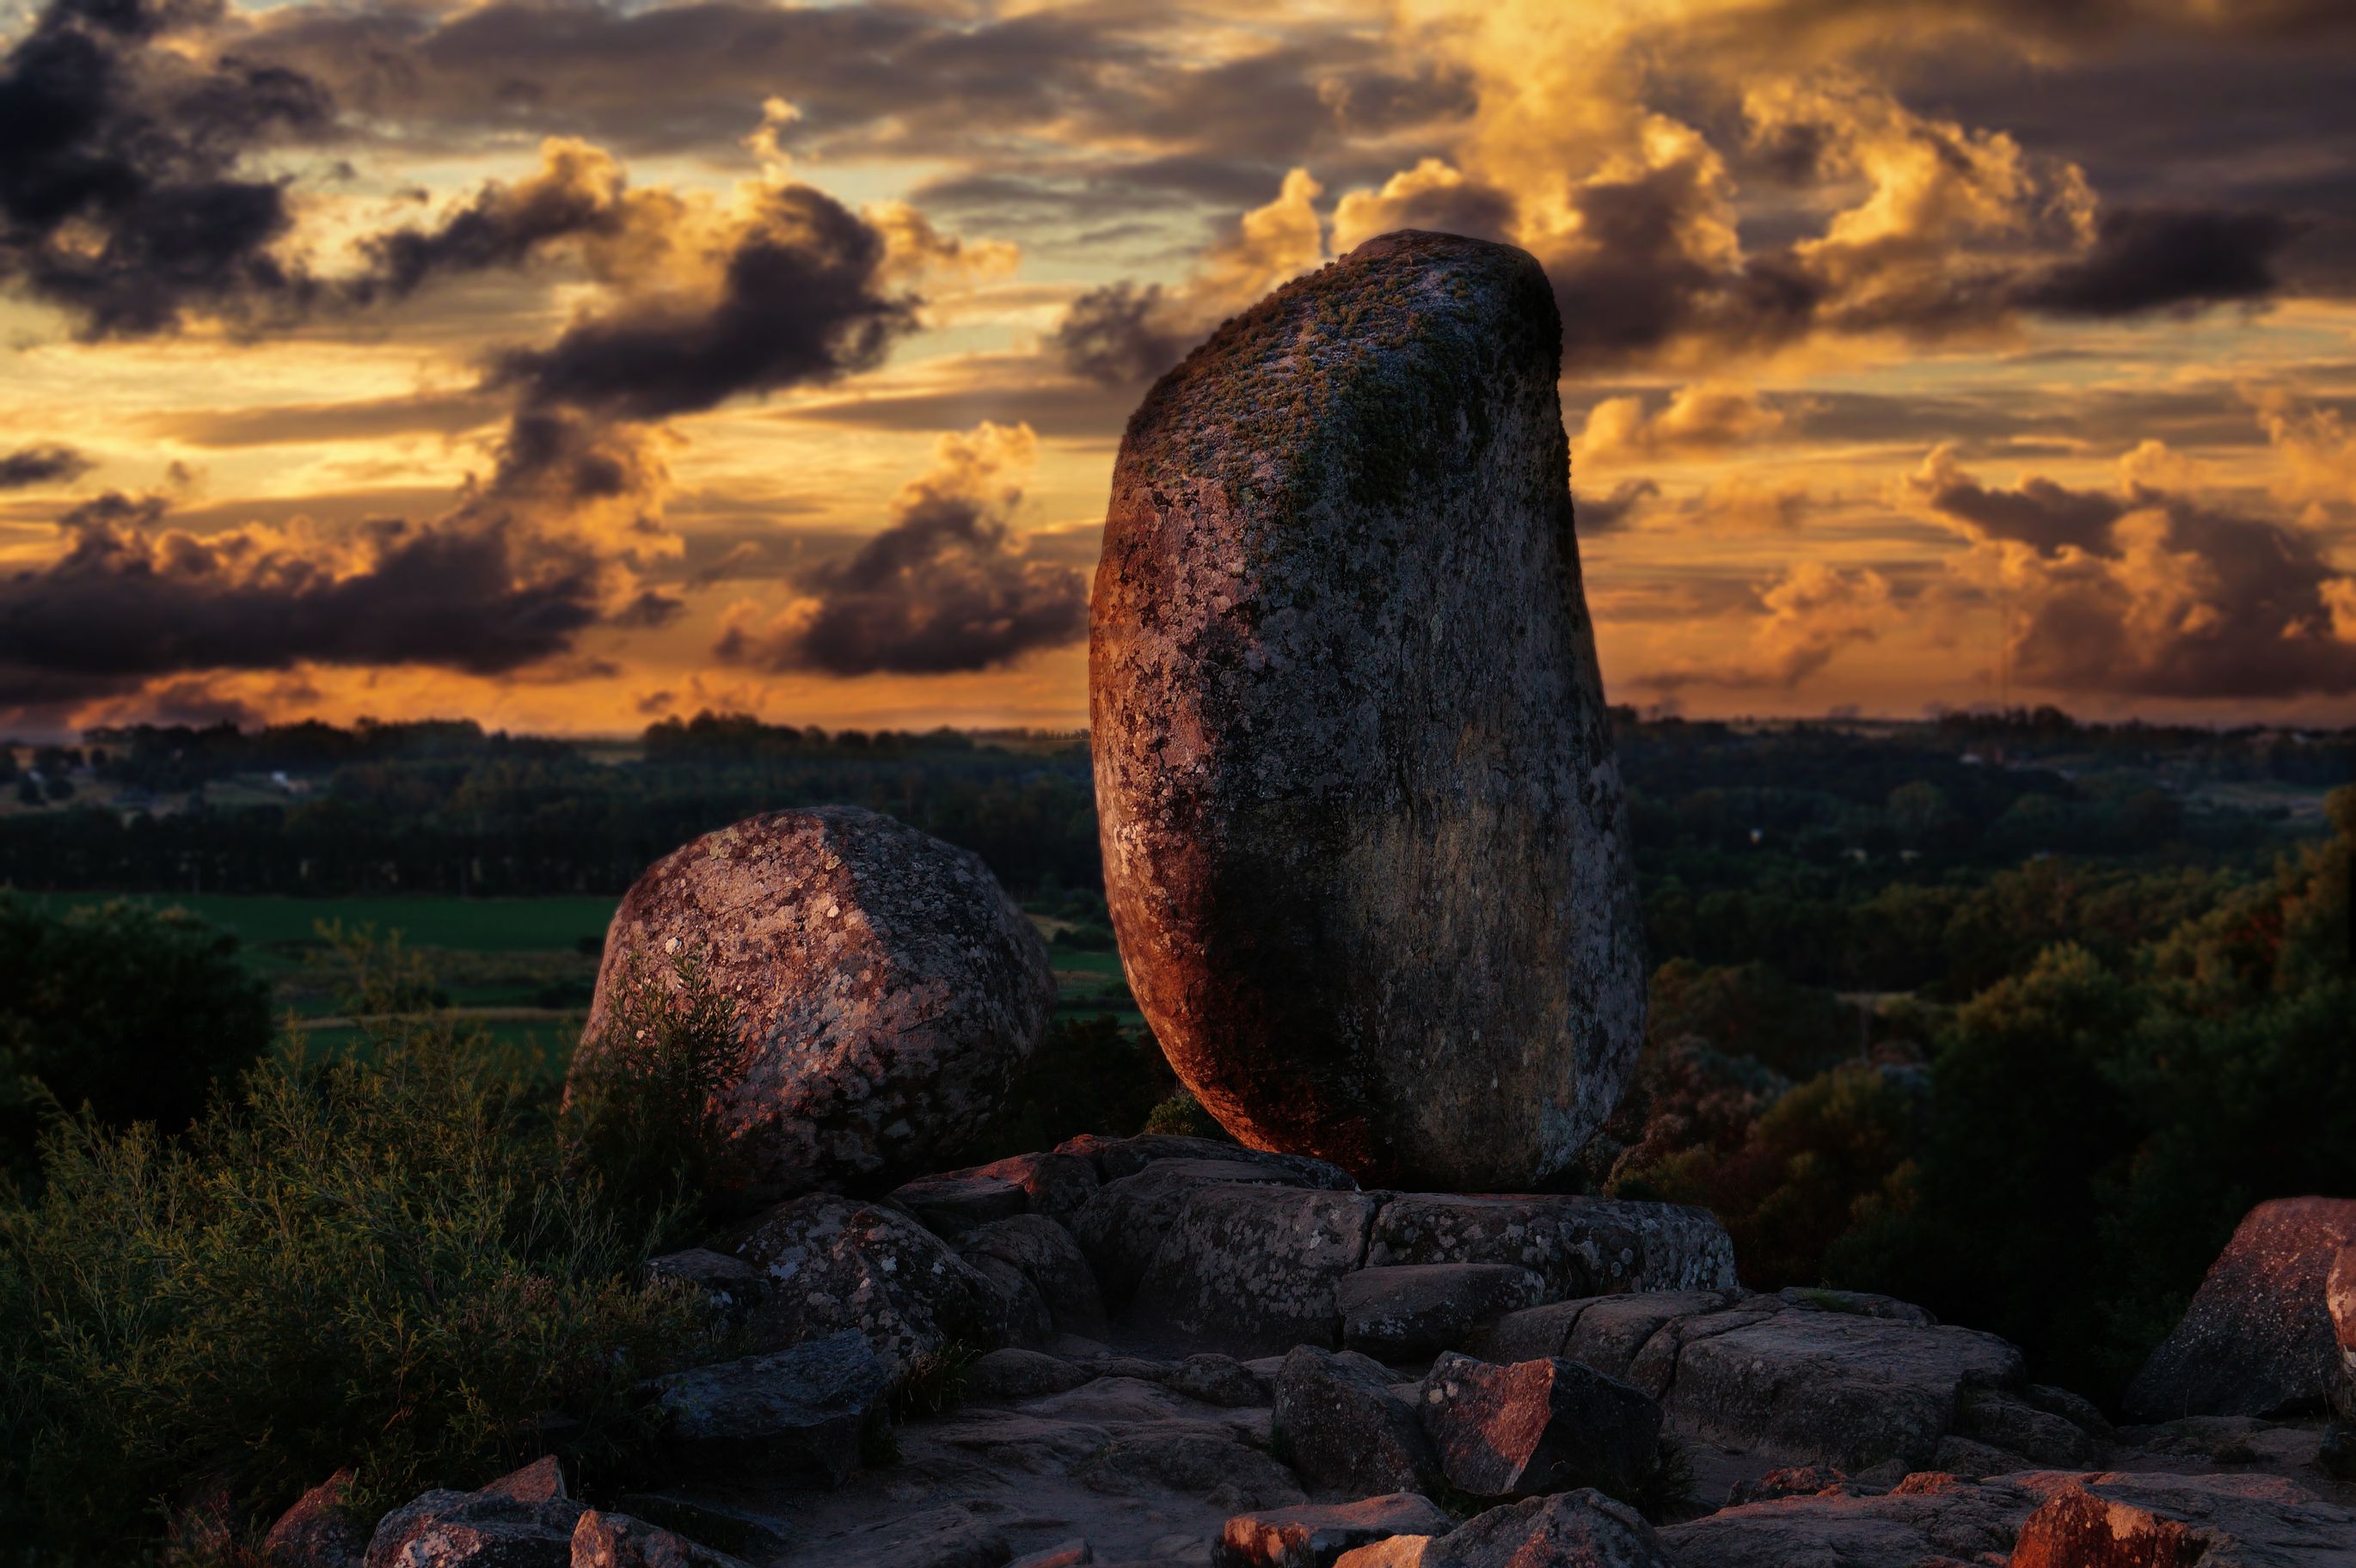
1363,826
886,987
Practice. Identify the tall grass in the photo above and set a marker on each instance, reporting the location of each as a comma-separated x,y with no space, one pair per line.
376,1261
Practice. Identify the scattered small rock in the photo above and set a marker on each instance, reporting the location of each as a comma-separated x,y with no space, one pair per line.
731,1285
319,1530
830,1264
1011,1374
2146,1521
1338,1423
797,1413
618,1541
1217,1380
1313,1535
520,1521
1536,1427
1570,1530
1792,1481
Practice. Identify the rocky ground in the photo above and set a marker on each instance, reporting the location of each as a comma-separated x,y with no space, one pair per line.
1197,1354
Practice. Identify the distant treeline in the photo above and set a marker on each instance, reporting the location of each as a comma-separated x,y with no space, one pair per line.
1753,842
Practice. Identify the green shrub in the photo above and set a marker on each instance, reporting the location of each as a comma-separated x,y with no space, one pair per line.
133,1011
1182,1115
369,1261
644,1116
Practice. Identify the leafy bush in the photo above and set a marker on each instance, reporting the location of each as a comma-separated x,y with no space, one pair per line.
644,1116
1794,1185
133,1012
1183,1116
371,1262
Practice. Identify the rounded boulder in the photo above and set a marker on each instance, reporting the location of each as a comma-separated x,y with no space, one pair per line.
885,990
1362,827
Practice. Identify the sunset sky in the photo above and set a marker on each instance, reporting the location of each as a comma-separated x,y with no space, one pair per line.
564,364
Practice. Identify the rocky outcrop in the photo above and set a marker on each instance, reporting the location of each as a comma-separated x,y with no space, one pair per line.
1121,1228
1414,1310
1576,1247
886,989
1363,829
1040,1276
1256,1269
798,1412
2257,1340
1341,1426
828,1263
1313,1535
1535,1428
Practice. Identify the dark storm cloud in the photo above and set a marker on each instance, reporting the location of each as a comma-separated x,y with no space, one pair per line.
803,298
579,193
2047,516
1124,333
946,587
1612,513
44,463
1632,287
123,197
127,602
2161,595
2151,259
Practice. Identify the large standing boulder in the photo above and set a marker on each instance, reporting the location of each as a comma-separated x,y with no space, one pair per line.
886,989
2258,1338
1363,829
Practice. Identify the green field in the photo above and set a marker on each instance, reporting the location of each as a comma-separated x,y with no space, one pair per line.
464,925
495,955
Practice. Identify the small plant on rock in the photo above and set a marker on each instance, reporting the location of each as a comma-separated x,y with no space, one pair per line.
646,1116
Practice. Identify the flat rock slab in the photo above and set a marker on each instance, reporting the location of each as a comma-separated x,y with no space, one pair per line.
1313,1536
1929,1519
886,989
1410,1311
1364,831
1571,1530
1579,1246
797,1411
2258,1337
1773,1376
2218,1521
